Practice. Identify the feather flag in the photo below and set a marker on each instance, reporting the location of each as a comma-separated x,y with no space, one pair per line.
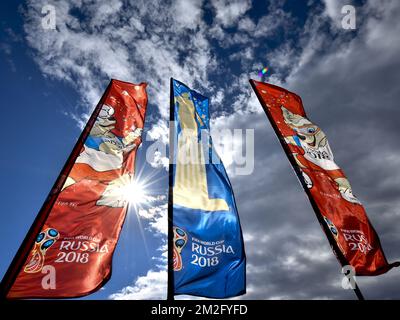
208,251
338,210
68,250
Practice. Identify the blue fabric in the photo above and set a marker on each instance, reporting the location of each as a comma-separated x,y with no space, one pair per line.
95,142
297,140
213,257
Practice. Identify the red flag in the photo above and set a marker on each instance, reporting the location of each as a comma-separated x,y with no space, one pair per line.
69,251
340,213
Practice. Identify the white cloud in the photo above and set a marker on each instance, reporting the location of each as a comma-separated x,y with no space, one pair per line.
246,24
188,13
157,218
217,98
156,154
332,71
269,23
105,13
89,52
159,131
137,24
332,9
338,72
159,161
228,12
152,286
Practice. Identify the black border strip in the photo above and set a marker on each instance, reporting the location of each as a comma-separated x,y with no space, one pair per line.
171,284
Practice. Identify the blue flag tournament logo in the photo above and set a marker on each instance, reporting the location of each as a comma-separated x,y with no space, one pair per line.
209,257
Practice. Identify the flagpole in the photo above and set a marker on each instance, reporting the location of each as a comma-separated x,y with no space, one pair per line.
170,289
37,225
358,292
338,253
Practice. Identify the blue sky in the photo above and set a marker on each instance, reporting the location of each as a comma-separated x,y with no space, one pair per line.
51,80
39,105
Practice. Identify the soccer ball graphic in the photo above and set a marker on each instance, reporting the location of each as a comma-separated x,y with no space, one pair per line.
106,112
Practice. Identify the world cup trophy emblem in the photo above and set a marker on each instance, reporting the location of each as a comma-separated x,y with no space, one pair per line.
180,240
334,232
43,242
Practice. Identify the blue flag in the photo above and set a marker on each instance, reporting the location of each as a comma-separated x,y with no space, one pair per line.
208,250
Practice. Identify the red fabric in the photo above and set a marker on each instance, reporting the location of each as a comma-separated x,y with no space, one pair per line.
88,232
356,238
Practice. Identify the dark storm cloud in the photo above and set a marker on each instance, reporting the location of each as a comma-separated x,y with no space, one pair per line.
349,84
352,93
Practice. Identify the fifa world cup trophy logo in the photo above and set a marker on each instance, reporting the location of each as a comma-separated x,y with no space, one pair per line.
43,242
334,231
180,239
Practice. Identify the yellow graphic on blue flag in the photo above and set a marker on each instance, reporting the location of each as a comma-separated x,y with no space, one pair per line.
209,258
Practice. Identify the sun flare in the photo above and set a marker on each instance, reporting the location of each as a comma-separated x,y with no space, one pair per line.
135,193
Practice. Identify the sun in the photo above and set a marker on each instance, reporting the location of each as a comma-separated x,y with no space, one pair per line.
135,193
135,190
125,190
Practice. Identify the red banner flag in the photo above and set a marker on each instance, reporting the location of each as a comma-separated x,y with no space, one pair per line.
68,251
339,212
